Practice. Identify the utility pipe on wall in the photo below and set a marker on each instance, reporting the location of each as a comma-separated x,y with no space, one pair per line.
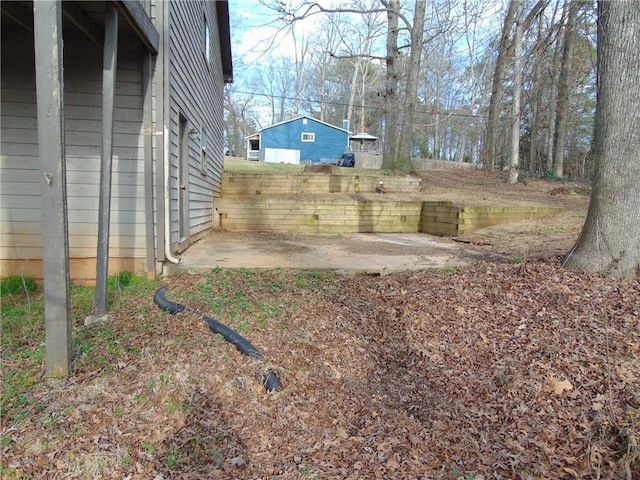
166,116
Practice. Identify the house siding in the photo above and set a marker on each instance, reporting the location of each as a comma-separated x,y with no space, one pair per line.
330,142
196,93
21,236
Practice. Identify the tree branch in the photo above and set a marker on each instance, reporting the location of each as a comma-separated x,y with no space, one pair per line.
362,55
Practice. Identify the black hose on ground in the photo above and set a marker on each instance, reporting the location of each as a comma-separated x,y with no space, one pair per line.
167,305
242,344
270,379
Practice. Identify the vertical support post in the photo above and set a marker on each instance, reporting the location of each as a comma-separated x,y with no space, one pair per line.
109,62
47,19
147,127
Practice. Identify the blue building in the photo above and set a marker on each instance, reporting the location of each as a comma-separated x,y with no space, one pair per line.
299,140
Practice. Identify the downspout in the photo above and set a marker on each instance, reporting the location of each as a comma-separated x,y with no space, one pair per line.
167,152
167,201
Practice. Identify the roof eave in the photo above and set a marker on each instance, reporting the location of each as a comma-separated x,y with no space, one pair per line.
224,32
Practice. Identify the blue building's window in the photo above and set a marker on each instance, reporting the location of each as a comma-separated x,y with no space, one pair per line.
308,137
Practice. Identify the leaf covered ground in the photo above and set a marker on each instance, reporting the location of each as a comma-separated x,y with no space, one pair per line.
499,370
509,369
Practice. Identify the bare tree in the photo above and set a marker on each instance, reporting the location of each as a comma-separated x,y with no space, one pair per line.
566,72
505,49
544,40
406,134
497,89
514,163
391,104
610,240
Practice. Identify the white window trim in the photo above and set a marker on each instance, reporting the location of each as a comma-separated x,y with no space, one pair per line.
308,137
203,151
207,41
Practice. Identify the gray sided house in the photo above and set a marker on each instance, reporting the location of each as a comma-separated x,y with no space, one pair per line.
299,140
111,147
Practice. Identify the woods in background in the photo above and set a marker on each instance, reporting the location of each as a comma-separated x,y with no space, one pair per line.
433,79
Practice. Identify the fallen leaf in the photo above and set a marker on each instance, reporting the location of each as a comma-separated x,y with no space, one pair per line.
559,386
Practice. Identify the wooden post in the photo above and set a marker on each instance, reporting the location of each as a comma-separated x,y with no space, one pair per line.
47,20
147,112
109,62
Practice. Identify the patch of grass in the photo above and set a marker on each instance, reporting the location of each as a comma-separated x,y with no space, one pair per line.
447,269
173,457
149,448
516,260
228,295
559,229
172,406
22,344
22,338
309,279
10,473
82,299
16,285
126,459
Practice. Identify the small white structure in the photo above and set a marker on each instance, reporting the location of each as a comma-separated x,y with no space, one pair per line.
364,142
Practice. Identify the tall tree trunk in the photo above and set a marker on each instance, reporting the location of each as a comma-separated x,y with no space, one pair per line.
553,97
536,95
352,90
436,123
391,104
497,87
514,164
610,240
566,74
363,98
406,130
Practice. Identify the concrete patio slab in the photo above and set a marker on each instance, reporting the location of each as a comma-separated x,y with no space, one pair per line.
343,253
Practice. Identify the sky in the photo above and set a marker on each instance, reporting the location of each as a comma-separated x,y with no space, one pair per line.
253,29
255,40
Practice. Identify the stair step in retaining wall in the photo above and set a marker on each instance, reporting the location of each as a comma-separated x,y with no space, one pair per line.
249,183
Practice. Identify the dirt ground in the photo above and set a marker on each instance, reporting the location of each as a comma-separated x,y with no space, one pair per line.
508,368
539,238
